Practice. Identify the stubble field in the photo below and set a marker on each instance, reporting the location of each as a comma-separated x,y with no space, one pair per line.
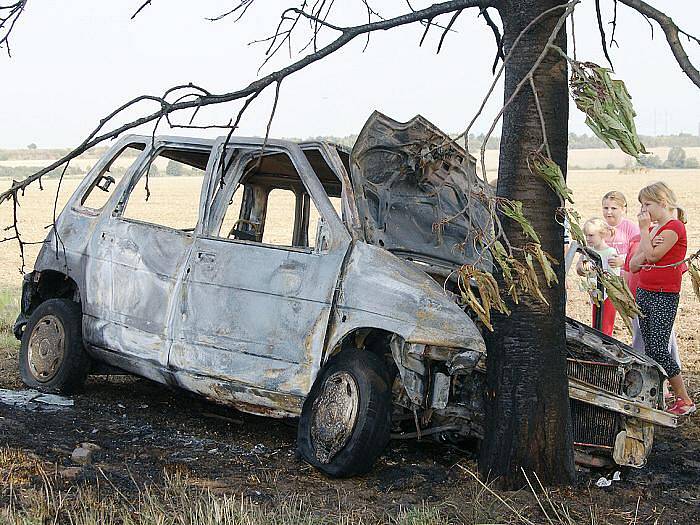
174,200
164,456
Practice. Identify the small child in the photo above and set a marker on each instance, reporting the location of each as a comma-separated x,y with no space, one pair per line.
598,232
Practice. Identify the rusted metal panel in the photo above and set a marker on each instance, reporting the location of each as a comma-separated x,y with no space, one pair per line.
380,290
418,193
595,396
250,325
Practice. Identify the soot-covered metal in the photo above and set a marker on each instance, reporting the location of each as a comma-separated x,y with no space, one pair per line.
268,326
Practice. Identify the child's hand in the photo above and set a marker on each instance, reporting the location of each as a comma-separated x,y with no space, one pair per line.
659,239
644,220
587,266
616,262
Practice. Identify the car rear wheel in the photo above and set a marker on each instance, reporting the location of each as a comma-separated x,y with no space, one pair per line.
52,357
346,418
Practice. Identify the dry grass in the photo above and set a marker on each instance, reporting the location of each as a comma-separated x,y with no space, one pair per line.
9,307
33,492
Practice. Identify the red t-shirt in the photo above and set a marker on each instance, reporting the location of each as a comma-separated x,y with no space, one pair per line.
632,278
657,279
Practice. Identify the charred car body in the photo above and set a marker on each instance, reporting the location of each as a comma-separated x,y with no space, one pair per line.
347,322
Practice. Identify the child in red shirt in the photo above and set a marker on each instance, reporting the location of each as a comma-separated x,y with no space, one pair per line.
660,267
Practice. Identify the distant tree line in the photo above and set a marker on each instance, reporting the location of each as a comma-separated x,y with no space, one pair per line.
32,152
576,141
583,141
20,172
676,159
172,169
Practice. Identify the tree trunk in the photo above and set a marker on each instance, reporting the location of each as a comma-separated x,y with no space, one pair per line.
528,423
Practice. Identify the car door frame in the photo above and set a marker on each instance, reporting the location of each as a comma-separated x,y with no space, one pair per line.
273,387
114,340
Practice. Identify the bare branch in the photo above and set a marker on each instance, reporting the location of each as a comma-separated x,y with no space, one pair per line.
253,89
425,32
573,31
497,36
447,29
9,14
143,5
545,142
242,7
671,30
599,17
614,25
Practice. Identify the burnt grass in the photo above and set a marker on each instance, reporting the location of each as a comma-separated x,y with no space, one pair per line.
147,431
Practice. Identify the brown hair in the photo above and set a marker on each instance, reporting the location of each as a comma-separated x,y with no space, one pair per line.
661,193
617,197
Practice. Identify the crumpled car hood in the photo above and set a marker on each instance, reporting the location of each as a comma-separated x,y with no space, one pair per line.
418,193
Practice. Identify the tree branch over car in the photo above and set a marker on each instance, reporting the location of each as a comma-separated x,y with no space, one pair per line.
527,427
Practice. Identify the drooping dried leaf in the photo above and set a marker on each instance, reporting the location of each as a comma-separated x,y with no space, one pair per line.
620,296
546,261
550,172
607,105
489,294
694,272
574,220
514,210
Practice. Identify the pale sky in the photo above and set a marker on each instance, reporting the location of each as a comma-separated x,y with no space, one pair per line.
74,61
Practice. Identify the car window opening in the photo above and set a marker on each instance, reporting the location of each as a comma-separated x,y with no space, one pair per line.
152,203
109,176
272,206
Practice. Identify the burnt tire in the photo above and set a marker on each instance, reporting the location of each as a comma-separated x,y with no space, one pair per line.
345,422
51,356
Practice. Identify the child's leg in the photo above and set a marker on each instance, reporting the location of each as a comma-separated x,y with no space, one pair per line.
637,340
673,348
594,311
658,313
609,314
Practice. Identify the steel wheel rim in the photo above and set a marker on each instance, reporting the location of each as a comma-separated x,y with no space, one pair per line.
46,348
334,415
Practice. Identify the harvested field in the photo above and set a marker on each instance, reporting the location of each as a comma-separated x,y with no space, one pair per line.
165,456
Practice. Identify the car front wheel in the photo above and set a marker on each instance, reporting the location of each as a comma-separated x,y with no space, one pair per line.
52,357
346,419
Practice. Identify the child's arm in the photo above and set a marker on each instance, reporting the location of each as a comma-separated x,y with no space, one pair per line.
653,253
583,266
637,261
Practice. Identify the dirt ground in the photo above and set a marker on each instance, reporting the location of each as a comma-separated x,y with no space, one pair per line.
146,431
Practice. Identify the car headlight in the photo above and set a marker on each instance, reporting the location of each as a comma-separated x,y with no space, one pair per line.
634,382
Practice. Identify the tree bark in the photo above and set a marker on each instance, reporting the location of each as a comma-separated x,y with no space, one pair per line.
528,421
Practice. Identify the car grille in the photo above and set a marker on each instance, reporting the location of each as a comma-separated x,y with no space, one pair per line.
593,426
603,375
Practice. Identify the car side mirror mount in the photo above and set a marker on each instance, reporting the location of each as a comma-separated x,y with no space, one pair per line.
104,182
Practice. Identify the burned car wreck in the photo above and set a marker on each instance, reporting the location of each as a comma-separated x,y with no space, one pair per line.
345,320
